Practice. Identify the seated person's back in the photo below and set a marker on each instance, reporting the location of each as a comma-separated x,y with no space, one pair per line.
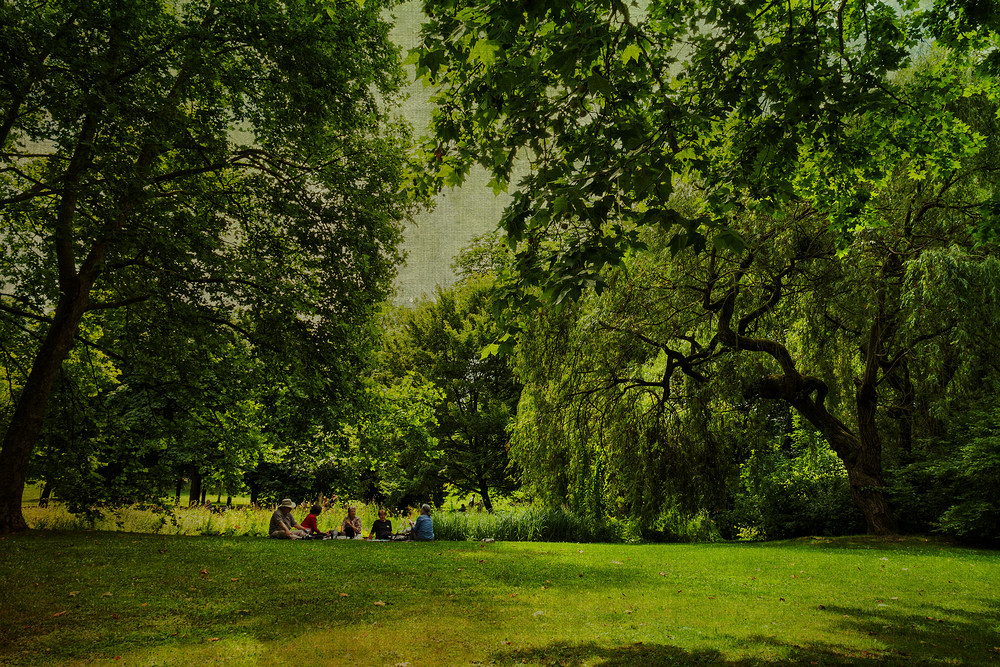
423,527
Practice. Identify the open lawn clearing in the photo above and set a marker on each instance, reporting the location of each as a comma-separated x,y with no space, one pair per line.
91,597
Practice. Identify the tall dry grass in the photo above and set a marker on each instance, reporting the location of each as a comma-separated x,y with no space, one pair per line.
518,524
198,520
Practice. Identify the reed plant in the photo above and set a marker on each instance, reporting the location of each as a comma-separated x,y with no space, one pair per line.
249,520
523,524
517,524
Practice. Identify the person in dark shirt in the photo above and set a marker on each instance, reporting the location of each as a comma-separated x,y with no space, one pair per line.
381,528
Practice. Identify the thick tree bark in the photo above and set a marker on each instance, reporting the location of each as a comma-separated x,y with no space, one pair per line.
484,491
194,494
74,298
860,453
29,414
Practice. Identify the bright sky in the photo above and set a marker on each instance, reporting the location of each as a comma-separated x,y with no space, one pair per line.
460,215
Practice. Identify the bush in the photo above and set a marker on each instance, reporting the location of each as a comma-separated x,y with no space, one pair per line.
675,526
527,524
798,490
952,486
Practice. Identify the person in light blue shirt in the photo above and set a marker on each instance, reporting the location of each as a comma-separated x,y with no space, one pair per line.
423,529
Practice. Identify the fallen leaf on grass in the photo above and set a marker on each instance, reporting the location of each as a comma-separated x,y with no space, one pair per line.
663,574
233,579
58,613
213,639
74,593
379,603
204,573
108,594
616,562
344,595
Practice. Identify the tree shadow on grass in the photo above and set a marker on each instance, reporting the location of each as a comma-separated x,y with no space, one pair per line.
931,636
567,654
564,654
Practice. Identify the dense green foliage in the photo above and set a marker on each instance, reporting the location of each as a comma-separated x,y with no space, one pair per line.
746,288
770,178
438,344
201,206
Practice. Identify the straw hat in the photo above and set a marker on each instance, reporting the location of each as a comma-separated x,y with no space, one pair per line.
287,502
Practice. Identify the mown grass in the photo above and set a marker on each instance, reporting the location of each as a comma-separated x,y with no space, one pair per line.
70,597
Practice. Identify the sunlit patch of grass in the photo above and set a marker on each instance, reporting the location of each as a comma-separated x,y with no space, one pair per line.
70,597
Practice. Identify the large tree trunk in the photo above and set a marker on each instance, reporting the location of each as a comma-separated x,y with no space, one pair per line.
74,298
484,491
860,453
29,414
194,493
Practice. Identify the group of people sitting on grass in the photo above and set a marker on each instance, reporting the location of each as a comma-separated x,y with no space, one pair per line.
284,526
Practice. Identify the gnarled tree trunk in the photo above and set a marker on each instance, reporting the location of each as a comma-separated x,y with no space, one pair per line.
861,453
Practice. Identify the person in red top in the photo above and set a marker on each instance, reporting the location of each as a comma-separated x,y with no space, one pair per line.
310,522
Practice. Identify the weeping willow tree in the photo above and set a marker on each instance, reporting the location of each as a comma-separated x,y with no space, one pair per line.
642,397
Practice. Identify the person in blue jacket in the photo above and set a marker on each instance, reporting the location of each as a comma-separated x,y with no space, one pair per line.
423,529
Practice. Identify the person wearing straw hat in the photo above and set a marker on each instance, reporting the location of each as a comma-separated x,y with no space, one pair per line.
283,525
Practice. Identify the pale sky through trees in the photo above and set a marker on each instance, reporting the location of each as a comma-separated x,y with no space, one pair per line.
461,213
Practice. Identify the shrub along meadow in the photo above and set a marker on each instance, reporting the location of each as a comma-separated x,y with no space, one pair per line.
517,524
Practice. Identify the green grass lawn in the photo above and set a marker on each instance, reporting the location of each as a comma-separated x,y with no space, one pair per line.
71,597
